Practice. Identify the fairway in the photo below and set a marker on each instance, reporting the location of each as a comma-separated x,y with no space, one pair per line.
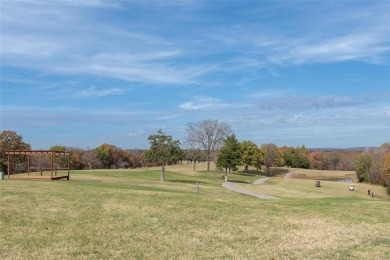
130,214
305,189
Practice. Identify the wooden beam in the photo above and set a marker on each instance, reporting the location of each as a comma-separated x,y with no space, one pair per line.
52,166
28,152
28,164
68,165
9,165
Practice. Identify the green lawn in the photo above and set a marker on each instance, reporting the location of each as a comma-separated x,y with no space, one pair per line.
130,214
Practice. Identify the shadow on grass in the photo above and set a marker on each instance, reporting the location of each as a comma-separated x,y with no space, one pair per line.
185,181
277,171
250,173
239,181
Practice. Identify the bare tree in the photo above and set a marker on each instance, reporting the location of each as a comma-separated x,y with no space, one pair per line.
207,135
271,156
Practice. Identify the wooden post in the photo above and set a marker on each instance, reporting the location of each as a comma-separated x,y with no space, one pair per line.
68,164
9,165
194,159
28,164
162,176
52,157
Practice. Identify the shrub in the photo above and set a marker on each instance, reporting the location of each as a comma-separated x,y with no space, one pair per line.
388,186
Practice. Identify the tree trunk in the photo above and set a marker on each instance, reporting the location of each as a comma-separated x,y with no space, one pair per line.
162,176
194,164
208,163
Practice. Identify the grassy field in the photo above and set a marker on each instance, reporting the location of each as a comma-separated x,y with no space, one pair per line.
130,214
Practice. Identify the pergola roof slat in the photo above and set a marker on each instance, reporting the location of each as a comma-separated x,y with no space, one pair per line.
39,152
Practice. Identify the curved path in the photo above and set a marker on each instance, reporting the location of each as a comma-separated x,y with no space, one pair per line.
287,175
233,187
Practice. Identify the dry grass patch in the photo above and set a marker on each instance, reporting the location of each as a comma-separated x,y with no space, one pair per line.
131,215
321,174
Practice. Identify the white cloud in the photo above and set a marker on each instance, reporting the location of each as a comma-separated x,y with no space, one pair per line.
97,92
366,46
136,133
302,103
30,46
203,102
268,94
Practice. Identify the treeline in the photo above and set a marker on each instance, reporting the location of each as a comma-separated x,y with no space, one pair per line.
371,165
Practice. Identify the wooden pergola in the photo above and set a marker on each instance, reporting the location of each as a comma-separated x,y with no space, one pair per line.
29,153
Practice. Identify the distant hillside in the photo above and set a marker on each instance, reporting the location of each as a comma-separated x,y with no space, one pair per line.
342,149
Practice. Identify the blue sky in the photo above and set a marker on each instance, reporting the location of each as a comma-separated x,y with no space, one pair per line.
83,73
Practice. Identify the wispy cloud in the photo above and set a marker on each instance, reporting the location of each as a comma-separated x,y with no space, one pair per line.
268,94
252,68
135,56
330,38
297,103
96,92
202,102
136,133
366,46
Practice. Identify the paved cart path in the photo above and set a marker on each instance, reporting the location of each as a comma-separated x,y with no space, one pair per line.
233,187
287,175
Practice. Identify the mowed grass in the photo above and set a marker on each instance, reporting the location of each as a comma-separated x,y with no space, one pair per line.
130,214
318,174
305,189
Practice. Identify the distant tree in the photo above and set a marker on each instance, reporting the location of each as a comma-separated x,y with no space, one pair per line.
271,155
106,154
372,165
302,150
75,158
61,161
249,154
318,160
386,165
10,140
177,153
259,159
300,162
334,159
388,186
229,156
287,153
207,135
163,149
193,154
300,159
295,157
378,174
137,158
90,160
363,164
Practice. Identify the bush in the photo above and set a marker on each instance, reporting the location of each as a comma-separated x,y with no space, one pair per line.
388,186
